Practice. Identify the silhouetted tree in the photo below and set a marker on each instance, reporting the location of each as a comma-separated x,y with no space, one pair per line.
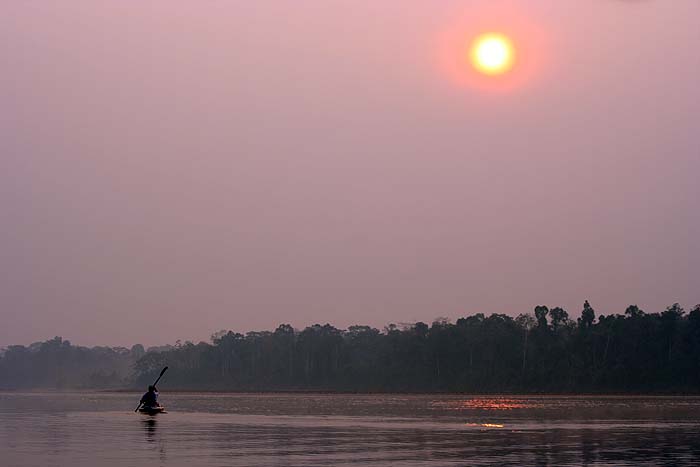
587,315
540,352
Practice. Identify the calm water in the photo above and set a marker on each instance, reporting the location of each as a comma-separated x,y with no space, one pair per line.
100,429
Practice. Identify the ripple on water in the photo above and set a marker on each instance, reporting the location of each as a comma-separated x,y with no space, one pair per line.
342,430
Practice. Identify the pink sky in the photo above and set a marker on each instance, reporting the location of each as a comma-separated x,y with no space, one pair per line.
237,165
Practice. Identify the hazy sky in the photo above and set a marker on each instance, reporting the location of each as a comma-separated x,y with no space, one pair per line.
171,168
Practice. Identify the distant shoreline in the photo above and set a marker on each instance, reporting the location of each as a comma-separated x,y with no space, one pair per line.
358,393
543,353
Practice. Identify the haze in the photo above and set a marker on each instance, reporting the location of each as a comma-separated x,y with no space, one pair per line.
169,169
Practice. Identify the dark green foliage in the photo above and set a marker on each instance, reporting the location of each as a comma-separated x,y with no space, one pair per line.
541,352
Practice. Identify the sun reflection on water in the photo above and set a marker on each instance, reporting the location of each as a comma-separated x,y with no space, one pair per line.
486,425
484,403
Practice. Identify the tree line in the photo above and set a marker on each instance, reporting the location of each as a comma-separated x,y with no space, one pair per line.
545,351
57,364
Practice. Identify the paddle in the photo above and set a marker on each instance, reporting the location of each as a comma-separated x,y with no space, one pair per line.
159,377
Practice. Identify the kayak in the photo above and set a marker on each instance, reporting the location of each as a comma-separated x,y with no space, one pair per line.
152,410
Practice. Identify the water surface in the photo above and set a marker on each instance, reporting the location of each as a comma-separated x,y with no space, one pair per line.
100,429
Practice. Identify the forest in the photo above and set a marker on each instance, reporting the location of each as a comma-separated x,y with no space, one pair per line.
541,352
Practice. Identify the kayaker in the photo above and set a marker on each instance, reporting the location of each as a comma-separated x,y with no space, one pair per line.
150,399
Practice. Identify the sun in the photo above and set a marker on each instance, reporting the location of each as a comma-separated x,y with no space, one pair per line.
492,54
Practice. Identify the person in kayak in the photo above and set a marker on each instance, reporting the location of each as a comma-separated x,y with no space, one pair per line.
150,399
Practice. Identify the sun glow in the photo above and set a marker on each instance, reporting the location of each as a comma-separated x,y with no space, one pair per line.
495,49
492,54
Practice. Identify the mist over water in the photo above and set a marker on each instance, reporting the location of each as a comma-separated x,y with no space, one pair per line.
89,429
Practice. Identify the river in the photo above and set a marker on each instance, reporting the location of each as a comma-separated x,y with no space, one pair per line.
101,430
